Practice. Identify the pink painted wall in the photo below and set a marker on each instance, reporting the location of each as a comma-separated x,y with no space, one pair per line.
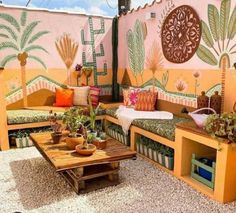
58,23
210,76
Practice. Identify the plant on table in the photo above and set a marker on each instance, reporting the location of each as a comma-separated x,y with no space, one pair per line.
55,127
74,119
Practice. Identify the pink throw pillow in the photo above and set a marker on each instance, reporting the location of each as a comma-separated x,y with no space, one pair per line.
94,94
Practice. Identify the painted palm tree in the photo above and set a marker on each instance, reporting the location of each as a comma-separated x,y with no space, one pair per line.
19,37
218,38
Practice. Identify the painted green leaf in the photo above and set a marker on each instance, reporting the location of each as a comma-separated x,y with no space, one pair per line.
8,59
232,25
131,51
139,44
27,32
206,55
35,47
4,35
37,59
214,21
10,19
23,18
9,30
206,35
37,36
8,44
224,17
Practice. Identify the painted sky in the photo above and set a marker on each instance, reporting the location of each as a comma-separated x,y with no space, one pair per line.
101,7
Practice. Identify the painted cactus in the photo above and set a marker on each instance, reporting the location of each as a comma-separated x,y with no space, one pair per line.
92,44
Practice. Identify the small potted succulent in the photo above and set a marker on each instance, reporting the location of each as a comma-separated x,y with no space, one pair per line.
85,148
55,127
74,119
169,158
222,126
101,141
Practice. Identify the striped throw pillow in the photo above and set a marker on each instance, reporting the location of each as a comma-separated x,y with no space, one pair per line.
146,101
94,95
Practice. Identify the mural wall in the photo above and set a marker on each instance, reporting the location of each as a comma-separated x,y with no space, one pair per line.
184,48
39,50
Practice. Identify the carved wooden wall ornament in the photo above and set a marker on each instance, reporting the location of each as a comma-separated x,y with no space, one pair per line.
181,34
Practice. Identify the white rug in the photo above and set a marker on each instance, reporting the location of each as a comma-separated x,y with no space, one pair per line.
28,184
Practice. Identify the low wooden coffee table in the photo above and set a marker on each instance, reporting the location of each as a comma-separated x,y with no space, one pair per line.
76,169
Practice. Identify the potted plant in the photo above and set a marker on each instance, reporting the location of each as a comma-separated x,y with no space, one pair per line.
222,126
161,154
92,116
55,127
169,158
74,119
149,149
156,147
138,141
85,148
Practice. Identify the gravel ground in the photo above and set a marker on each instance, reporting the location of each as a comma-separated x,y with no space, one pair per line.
28,184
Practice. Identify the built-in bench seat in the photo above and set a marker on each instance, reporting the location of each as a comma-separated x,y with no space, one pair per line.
164,128
24,116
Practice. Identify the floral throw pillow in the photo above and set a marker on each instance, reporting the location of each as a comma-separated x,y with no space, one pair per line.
133,96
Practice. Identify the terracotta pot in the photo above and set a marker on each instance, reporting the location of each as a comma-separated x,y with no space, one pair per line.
89,151
100,144
72,142
56,137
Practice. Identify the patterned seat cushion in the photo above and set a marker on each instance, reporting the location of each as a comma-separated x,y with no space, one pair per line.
164,128
33,116
28,116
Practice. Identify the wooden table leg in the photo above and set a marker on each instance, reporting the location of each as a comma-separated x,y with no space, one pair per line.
114,176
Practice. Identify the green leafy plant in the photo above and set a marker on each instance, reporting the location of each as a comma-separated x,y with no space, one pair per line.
221,29
136,49
223,125
19,37
74,119
93,113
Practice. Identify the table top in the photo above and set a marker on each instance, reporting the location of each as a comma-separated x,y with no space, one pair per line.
63,159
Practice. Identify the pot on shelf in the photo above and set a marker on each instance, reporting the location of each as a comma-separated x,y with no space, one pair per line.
72,142
85,151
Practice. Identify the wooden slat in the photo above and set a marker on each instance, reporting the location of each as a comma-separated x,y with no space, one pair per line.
62,158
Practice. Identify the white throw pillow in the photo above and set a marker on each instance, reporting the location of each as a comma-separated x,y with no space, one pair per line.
80,95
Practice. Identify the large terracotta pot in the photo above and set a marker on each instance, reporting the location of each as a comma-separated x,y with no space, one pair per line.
72,142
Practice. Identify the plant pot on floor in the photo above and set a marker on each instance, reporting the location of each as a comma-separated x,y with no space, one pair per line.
56,137
72,142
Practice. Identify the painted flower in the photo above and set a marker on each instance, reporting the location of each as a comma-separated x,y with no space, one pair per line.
181,85
133,96
196,74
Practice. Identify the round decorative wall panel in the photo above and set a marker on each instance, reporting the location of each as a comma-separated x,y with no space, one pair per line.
181,34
